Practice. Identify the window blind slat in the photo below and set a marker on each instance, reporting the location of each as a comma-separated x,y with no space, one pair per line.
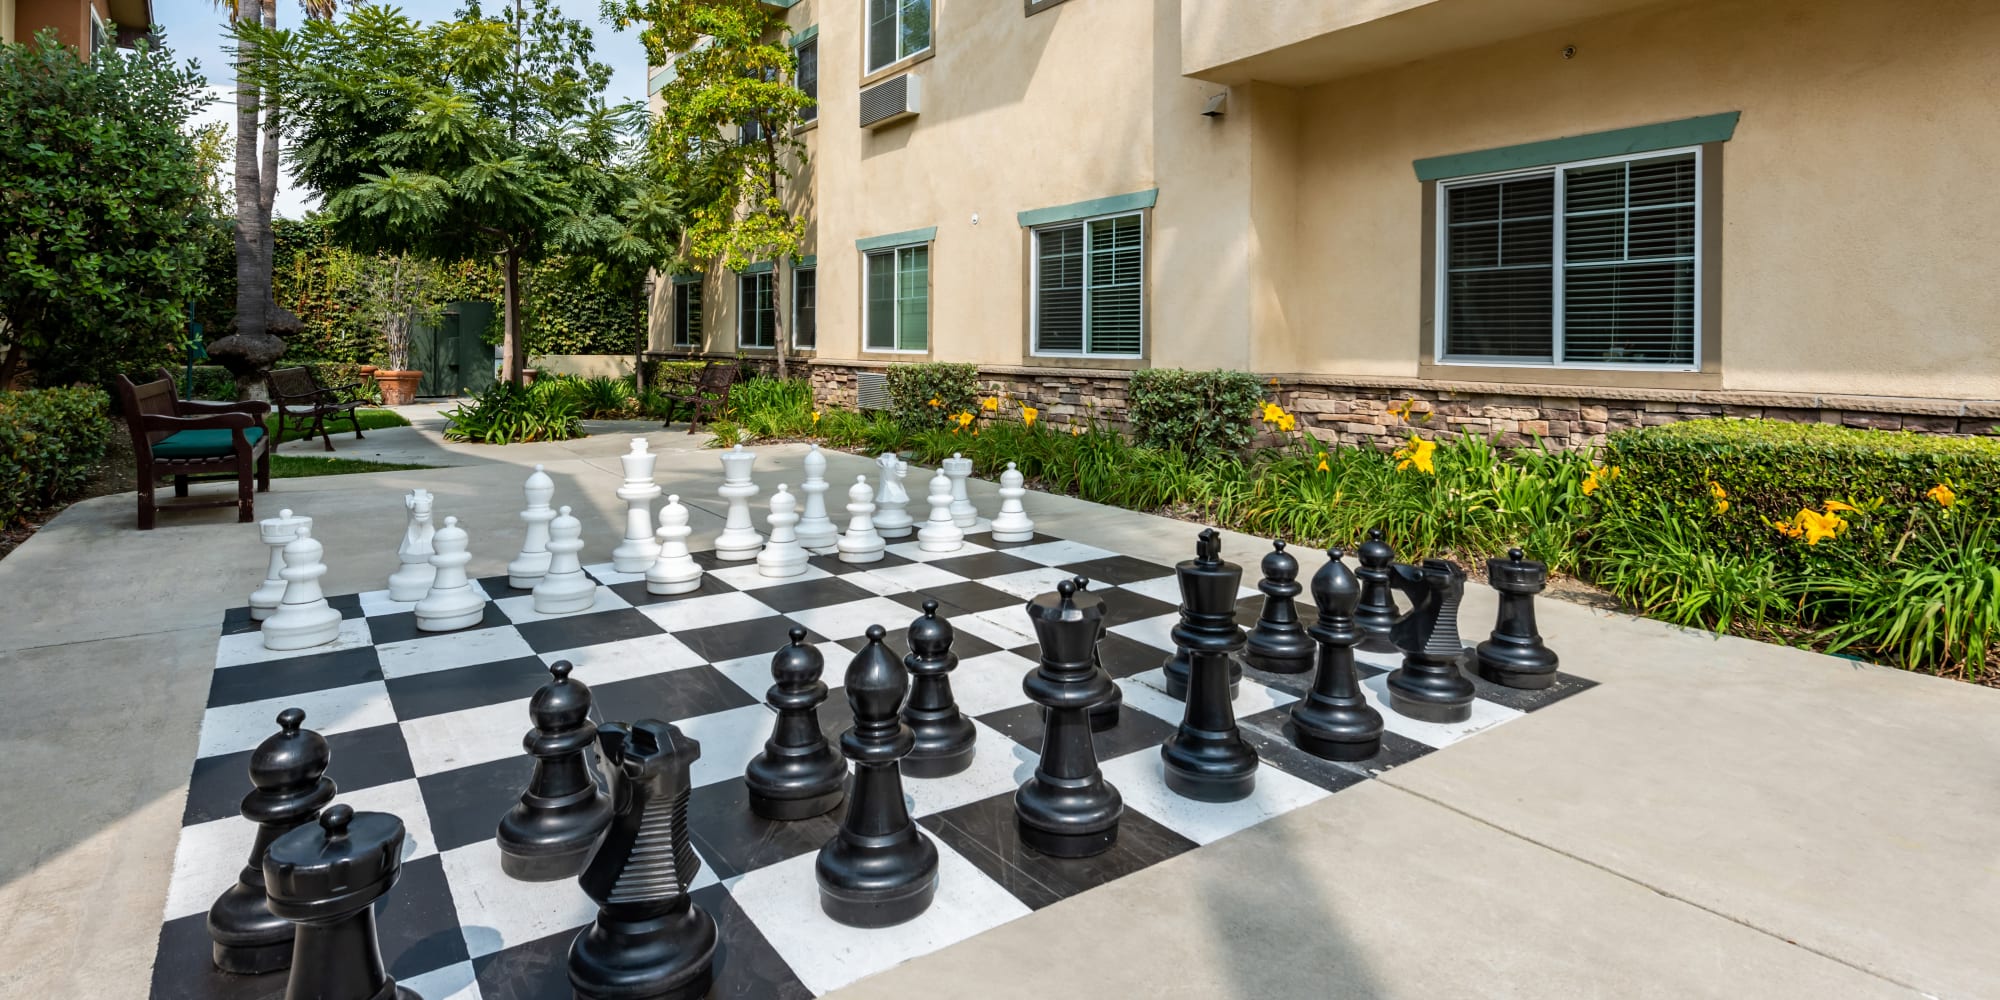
1059,308
913,278
1116,300
881,300
805,303
1499,299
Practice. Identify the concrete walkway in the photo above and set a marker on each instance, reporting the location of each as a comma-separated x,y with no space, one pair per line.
1717,818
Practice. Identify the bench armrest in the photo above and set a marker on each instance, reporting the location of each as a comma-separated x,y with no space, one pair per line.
250,407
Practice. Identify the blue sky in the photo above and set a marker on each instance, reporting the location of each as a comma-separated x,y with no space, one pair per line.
194,30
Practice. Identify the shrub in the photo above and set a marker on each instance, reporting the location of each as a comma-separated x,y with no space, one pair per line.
601,397
773,408
51,441
925,395
1194,412
504,414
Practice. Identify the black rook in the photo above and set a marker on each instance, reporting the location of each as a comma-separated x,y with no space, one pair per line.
1514,656
1067,809
1207,758
550,833
326,879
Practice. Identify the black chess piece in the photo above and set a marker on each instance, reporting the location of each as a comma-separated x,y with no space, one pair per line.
1104,714
1207,759
551,832
1278,642
1514,656
1334,721
288,774
649,939
1430,686
1067,809
944,737
799,775
1376,614
879,870
325,879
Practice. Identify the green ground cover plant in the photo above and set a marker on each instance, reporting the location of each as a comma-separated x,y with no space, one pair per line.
51,441
371,419
303,466
544,410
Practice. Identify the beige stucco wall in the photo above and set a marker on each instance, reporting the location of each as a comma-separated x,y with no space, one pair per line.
7,20
1858,214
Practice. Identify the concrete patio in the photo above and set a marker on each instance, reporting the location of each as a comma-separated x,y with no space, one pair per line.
1716,818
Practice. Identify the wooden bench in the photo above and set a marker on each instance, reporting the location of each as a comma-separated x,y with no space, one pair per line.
195,441
706,393
298,396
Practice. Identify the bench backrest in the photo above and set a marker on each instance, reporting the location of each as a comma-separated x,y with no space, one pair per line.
148,399
293,382
716,378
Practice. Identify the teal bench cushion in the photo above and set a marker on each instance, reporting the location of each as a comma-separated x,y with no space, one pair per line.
214,442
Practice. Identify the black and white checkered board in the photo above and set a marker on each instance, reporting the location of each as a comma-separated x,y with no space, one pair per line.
429,726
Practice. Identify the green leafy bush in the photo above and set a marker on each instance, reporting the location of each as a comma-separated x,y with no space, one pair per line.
927,394
505,414
1195,412
602,397
51,441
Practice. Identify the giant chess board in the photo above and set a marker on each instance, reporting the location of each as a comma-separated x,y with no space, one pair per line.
428,726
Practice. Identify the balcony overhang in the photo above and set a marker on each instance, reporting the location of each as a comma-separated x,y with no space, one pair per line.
1296,45
131,15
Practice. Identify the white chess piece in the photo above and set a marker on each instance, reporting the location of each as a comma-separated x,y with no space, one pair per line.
303,619
453,602
816,531
410,583
675,572
1012,523
564,589
892,502
276,533
861,544
963,513
939,534
782,555
739,540
527,568
638,551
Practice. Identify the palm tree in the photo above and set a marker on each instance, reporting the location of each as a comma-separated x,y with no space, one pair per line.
251,348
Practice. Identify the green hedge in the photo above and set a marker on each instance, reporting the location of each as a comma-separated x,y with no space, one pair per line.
926,394
1194,412
51,441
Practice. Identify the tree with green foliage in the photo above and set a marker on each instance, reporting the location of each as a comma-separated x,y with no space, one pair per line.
725,137
104,204
479,135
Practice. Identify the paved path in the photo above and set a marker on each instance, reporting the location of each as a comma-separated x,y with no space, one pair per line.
1717,818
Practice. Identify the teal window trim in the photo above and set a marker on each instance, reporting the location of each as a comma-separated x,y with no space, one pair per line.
907,238
760,267
801,263
782,4
687,279
804,35
1088,209
1596,145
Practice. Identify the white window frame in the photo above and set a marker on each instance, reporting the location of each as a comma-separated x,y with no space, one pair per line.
867,53
693,337
1035,287
896,331
1441,260
793,334
746,309
807,115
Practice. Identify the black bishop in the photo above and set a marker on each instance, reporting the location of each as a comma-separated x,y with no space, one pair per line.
1334,721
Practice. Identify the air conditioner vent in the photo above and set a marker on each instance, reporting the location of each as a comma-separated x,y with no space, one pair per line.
871,390
890,101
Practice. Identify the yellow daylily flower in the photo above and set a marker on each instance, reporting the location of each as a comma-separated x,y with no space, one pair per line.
1323,467
1288,423
1834,506
1942,494
1272,412
936,402
1818,526
1274,381
1028,414
1075,431
990,404
1417,453
1715,490
815,416
1722,506
1590,482
963,417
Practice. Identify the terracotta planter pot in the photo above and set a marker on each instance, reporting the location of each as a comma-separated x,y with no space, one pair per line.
398,388
367,371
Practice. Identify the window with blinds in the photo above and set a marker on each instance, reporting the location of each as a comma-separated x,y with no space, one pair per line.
687,314
897,306
1588,265
756,311
897,30
807,78
1089,293
805,299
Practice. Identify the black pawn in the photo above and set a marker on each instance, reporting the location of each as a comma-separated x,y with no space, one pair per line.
1335,721
1067,810
550,833
1431,686
799,775
1515,656
288,772
1376,614
325,879
1207,759
944,737
879,870
1104,714
1278,642
649,939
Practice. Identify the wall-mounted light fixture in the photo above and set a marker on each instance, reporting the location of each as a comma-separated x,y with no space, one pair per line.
1217,106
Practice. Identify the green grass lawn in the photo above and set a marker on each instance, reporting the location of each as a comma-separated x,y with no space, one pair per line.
371,419
301,466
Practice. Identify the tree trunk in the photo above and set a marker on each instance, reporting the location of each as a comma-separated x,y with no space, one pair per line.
778,317
267,189
514,348
252,291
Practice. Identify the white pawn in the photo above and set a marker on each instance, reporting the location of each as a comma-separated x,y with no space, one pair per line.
963,513
782,555
892,502
638,551
564,589
675,572
939,534
452,602
1012,524
276,532
303,619
861,544
739,540
816,531
527,568
411,582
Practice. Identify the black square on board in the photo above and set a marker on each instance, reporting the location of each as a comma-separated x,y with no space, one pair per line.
293,675
788,597
756,637
402,626
1123,657
674,695
736,840
237,621
576,631
1527,700
986,538
986,834
465,805
636,594
359,759
965,644
1135,730
536,970
832,563
417,923
442,691
1118,569
1122,607
1270,733
968,596
984,564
